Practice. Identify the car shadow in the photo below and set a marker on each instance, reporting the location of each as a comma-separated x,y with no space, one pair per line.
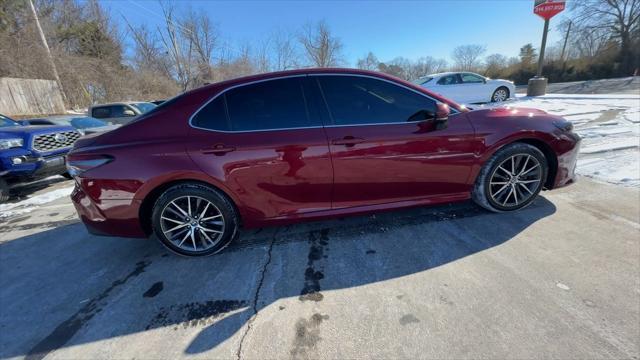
62,287
20,192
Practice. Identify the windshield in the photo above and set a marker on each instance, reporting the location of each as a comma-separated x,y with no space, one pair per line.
87,122
144,107
6,122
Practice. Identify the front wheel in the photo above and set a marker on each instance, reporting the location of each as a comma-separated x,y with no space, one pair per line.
194,220
511,179
501,94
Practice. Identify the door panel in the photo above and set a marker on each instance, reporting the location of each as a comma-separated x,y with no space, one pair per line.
399,162
272,173
267,148
379,156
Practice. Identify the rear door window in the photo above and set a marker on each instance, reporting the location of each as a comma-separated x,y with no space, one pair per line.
472,79
101,112
449,80
268,105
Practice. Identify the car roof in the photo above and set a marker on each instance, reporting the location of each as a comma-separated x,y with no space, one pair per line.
119,103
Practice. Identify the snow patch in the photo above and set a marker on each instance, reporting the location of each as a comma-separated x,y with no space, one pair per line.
32,203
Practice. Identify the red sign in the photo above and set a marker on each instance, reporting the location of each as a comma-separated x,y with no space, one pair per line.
547,9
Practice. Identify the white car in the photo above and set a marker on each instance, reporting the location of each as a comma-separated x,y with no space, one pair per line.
467,87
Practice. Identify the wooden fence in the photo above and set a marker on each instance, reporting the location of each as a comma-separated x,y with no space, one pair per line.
29,97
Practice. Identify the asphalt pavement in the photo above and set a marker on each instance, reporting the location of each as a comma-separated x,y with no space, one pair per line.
560,279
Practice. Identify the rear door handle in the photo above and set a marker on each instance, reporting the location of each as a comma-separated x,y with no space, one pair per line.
347,141
218,149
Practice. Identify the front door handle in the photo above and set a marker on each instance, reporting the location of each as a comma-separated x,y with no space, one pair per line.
347,141
218,149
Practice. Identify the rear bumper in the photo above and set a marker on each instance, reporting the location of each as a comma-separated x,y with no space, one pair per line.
108,217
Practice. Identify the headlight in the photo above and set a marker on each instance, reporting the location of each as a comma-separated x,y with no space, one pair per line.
565,126
10,143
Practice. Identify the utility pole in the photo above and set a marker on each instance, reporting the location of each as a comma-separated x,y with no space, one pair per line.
542,48
566,38
46,46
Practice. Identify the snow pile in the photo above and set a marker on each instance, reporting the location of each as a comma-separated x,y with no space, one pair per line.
610,129
32,203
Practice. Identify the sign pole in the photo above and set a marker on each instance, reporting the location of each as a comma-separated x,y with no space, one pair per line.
546,9
542,48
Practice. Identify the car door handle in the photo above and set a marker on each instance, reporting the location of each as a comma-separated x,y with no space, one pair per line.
218,149
347,141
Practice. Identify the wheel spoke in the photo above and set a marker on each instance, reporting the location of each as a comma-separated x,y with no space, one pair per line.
189,205
504,203
526,161
211,218
525,187
193,240
177,227
205,236
505,170
529,181
533,167
515,193
501,190
172,220
186,236
179,209
204,211
210,230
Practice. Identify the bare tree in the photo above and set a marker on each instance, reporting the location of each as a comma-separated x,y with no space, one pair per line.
495,64
621,18
179,50
370,62
467,57
321,47
201,34
427,65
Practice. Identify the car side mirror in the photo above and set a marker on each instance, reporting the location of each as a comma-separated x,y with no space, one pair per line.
441,116
128,112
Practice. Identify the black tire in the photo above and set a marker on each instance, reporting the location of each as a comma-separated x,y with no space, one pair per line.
66,175
215,197
481,192
501,88
4,191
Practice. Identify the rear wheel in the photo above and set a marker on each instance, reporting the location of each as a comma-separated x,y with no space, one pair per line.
194,220
511,179
501,94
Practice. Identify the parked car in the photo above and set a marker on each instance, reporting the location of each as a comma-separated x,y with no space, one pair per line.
30,153
308,144
120,113
84,124
467,87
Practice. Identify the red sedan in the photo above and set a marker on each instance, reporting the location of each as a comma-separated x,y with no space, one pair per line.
307,144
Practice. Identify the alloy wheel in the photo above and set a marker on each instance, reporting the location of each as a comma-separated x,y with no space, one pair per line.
192,223
500,95
515,181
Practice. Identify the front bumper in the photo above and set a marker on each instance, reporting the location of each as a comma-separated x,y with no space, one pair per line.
108,217
33,166
569,146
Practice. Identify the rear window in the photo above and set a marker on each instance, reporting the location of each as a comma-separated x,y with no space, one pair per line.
269,105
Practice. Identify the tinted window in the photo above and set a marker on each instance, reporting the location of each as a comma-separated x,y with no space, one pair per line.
449,80
118,111
213,116
471,79
363,100
144,107
101,112
274,104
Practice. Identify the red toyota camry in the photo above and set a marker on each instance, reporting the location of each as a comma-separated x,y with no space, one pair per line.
308,144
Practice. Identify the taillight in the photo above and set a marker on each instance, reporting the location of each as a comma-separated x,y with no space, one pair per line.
80,164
